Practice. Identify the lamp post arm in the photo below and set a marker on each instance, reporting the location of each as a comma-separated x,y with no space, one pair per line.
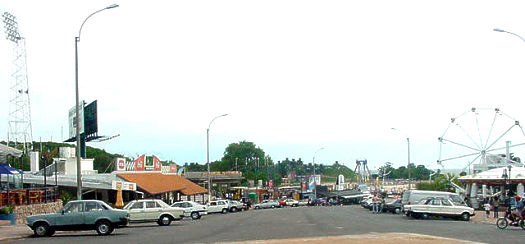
98,11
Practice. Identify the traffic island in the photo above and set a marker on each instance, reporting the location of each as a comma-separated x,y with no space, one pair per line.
385,238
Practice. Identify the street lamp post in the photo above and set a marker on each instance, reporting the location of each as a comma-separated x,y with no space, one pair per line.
208,154
315,178
408,159
508,32
77,112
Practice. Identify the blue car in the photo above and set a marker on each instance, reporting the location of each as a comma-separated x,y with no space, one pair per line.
79,215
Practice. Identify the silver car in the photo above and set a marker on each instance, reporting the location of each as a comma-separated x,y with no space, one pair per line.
267,204
153,210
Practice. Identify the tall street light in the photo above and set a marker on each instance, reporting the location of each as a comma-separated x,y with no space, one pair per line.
208,154
315,178
408,163
77,112
504,31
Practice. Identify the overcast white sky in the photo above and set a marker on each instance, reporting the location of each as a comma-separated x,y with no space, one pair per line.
293,75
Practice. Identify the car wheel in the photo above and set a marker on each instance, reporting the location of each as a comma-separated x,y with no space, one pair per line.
103,227
41,229
424,216
257,207
224,211
164,220
273,206
397,211
502,223
51,232
195,215
233,210
465,216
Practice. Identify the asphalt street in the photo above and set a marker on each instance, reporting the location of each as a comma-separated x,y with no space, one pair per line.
288,223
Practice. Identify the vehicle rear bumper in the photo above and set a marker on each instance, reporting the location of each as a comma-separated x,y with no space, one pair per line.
123,222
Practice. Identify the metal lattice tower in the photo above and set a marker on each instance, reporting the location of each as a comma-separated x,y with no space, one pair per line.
20,128
362,171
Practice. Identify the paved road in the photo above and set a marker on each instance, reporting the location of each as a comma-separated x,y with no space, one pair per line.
289,223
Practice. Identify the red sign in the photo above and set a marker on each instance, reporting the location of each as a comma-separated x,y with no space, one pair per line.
139,163
173,168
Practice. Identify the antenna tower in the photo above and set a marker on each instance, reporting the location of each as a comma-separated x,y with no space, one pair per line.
20,128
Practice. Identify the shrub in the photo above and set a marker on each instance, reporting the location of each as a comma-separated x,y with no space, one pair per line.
7,210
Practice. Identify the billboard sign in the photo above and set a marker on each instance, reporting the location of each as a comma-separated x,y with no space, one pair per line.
125,186
73,121
90,118
147,163
120,164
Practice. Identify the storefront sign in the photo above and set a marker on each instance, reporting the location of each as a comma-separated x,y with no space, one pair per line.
125,186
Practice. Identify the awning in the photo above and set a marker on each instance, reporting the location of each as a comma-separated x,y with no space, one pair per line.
157,183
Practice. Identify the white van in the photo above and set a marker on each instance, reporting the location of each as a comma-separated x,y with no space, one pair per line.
414,196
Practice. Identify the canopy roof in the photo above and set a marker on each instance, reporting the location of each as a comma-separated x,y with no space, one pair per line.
157,183
8,170
516,173
8,151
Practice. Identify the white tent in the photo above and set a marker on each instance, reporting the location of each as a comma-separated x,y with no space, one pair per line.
6,151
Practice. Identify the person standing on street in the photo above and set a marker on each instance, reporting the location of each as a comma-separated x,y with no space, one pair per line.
487,209
374,204
495,207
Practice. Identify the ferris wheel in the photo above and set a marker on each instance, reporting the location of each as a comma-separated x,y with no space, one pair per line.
482,135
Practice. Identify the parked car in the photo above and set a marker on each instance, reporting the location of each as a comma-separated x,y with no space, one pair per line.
367,203
439,206
79,215
267,204
218,206
191,209
236,206
153,210
393,206
282,203
303,202
291,202
414,196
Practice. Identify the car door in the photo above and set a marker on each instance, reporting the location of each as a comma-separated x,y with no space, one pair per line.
184,206
221,205
213,207
153,210
448,208
136,211
72,215
434,207
92,210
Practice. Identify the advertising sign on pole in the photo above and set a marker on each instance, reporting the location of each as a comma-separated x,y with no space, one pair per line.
73,121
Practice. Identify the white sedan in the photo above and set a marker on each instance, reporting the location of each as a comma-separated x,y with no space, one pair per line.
153,210
219,206
191,209
439,206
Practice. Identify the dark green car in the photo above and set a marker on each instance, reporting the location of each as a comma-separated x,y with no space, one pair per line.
79,215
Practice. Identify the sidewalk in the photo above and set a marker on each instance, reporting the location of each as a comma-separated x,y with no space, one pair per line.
480,217
12,232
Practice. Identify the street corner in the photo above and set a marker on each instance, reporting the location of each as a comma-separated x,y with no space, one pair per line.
385,238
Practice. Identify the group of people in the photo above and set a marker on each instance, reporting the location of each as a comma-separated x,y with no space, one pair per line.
514,213
378,202
491,204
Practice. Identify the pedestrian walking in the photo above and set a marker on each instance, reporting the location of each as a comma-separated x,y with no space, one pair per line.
381,205
495,207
